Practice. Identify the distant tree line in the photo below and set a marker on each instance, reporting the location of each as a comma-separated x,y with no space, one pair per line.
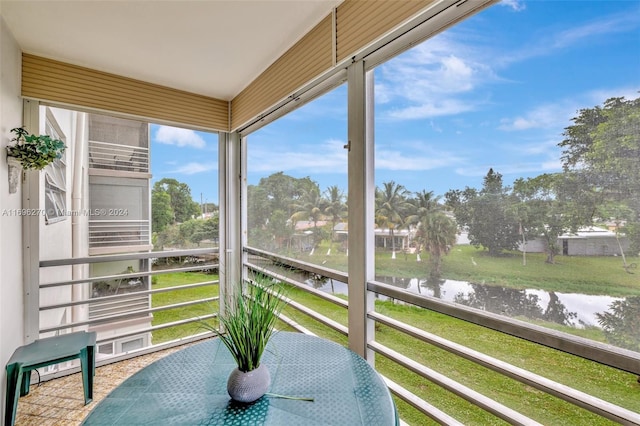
280,201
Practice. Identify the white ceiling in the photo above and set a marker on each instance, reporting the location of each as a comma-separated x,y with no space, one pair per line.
210,47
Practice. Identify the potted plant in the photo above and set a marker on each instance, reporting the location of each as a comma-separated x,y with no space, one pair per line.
248,322
34,152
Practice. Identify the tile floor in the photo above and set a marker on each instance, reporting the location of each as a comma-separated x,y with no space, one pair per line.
61,401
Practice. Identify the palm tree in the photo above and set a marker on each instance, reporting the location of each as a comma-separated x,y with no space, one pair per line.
335,208
437,233
309,207
391,209
424,204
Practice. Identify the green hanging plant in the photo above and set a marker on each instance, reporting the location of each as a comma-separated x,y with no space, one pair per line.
34,152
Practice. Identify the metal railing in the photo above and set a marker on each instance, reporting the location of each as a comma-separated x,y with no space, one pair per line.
283,268
122,310
117,233
111,156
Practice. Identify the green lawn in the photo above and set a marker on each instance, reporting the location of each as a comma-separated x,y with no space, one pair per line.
178,296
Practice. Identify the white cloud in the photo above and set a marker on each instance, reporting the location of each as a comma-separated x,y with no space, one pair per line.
179,137
598,96
556,115
517,5
435,78
382,95
552,165
415,156
548,147
326,157
195,168
608,24
444,76
550,40
428,110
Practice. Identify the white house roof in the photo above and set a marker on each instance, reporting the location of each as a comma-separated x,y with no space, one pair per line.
209,47
590,232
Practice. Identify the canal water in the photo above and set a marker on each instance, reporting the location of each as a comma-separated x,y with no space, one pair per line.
571,309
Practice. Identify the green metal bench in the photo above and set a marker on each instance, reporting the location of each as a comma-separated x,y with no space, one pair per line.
44,352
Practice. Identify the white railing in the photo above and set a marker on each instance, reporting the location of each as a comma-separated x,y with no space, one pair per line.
118,233
125,158
125,309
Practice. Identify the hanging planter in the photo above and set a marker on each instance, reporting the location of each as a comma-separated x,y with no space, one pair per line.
15,173
34,152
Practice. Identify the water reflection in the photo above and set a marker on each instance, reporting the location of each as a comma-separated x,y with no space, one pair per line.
516,303
571,309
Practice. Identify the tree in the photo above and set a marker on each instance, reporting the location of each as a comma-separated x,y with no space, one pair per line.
335,207
209,207
282,191
281,228
487,214
391,208
161,211
183,206
422,205
603,145
458,201
554,204
206,229
258,215
309,207
620,324
437,233
277,192
187,229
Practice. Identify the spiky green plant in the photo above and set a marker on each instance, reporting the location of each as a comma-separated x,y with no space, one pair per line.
249,321
33,151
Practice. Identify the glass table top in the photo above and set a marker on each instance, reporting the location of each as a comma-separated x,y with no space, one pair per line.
189,387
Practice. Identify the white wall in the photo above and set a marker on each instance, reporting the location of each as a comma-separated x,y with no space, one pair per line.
11,293
55,238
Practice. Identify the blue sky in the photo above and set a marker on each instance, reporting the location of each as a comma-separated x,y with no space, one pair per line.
496,91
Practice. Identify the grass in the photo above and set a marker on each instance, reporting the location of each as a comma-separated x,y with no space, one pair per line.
595,275
172,297
592,378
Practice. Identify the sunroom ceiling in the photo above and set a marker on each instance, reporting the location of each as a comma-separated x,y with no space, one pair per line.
210,47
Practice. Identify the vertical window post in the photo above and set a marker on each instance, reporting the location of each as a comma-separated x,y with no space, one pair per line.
229,171
31,233
361,204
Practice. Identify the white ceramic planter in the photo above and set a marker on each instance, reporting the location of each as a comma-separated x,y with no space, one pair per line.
15,174
248,386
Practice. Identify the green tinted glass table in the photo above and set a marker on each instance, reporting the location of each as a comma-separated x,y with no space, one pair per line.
189,387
